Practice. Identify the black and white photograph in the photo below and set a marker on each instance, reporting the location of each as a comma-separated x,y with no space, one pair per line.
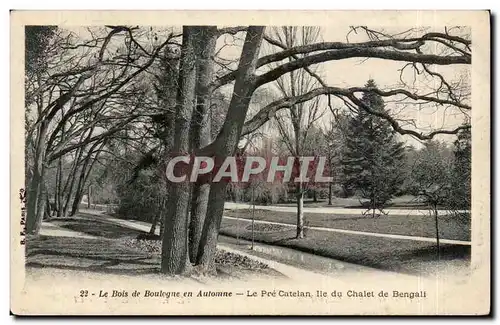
261,163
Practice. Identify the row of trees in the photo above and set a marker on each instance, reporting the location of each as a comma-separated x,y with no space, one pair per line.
82,99
110,102
368,160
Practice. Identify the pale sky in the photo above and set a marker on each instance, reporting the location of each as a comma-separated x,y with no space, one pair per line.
355,72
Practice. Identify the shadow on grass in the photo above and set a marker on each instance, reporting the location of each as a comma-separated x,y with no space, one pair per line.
261,214
99,228
93,255
97,269
118,253
404,256
103,255
446,252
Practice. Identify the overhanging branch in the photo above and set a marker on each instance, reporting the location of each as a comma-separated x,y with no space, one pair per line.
359,53
270,110
390,49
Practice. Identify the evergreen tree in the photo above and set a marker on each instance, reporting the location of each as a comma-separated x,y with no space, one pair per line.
373,157
36,41
461,175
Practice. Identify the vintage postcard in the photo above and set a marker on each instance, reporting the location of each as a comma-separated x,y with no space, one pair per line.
250,163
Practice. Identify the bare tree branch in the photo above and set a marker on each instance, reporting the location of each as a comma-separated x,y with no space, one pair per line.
270,110
231,30
362,52
370,49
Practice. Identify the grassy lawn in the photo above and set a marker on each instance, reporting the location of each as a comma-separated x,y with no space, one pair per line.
405,201
383,253
424,226
110,252
94,226
93,255
116,250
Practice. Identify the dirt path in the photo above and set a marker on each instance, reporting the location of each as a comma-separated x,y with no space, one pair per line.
49,229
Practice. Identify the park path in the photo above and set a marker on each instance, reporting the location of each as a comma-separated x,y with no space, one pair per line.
283,260
392,212
293,273
50,229
332,210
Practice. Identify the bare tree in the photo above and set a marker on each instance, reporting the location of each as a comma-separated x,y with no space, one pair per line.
81,76
295,122
431,178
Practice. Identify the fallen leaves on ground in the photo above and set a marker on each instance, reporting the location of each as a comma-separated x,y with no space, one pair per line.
222,257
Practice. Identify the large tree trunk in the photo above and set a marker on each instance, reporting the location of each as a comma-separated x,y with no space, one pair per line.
168,100
373,203
330,185
34,199
436,215
42,204
79,190
208,240
69,188
200,132
59,188
300,211
163,214
156,217
199,205
34,196
78,193
227,142
84,174
70,183
48,208
89,196
175,259
69,194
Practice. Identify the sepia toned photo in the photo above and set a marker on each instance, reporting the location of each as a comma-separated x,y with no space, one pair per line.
250,163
